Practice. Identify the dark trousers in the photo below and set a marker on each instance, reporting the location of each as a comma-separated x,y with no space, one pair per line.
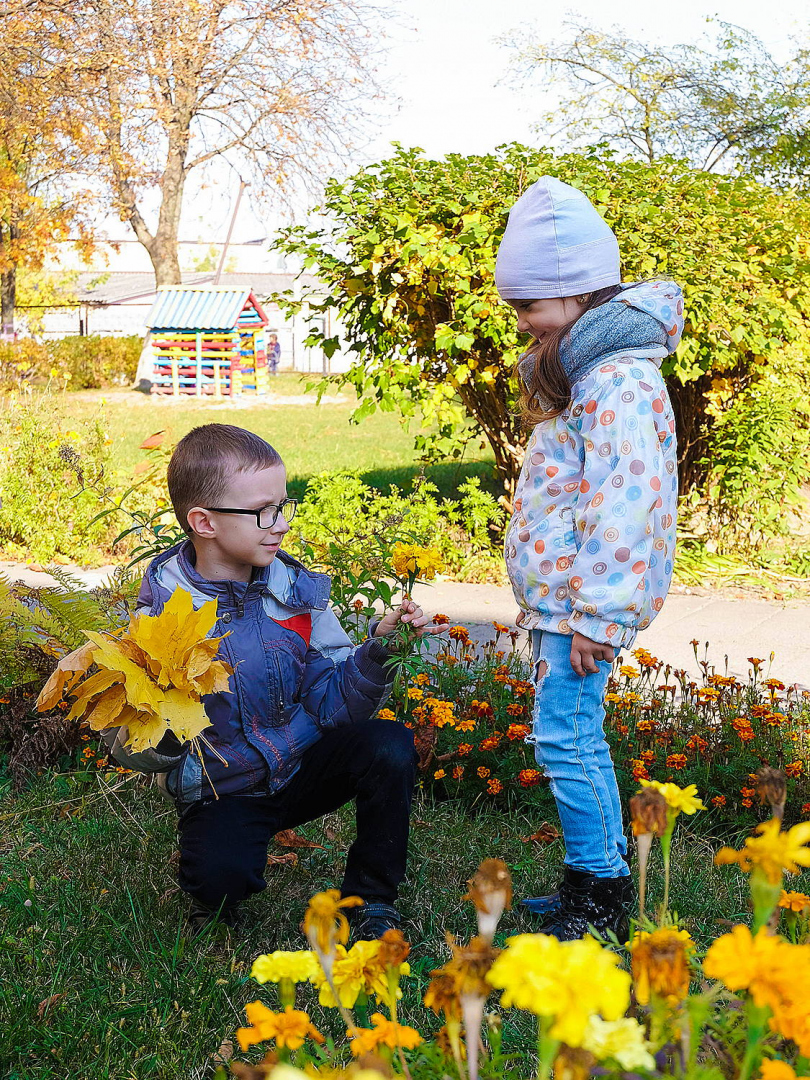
223,842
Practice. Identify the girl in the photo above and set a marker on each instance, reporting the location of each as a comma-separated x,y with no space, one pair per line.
590,546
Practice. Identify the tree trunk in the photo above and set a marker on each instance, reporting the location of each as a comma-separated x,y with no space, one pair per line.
8,299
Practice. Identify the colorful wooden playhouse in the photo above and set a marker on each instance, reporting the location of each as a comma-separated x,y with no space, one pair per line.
208,339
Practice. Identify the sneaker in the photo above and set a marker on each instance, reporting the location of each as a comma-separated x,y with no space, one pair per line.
201,918
588,901
369,922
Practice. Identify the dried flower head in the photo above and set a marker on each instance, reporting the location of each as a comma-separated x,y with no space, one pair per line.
394,949
648,811
491,892
442,994
660,964
772,789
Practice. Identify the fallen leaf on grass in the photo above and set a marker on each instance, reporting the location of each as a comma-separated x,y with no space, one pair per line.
260,1071
224,1054
46,1003
290,838
290,859
546,834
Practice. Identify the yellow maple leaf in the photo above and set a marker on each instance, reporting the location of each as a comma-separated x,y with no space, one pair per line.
107,710
68,671
169,638
184,716
91,688
144,730
142,692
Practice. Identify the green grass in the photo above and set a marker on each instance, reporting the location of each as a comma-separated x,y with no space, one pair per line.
311,438
105,923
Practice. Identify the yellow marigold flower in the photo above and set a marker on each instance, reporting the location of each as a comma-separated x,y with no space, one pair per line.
619,1040
422,679
415,694
384,1033
386,714
763,964
660,964
778,1070
569,981
289,1028
301,966
629,671
682,800
772,851
358,970
794,901
413,560
324,921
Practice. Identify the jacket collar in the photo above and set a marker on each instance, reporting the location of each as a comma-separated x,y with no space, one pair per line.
301,590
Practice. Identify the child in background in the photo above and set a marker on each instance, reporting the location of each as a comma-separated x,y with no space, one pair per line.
590,546
297,737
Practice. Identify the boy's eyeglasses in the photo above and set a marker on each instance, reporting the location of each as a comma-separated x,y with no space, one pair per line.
266,517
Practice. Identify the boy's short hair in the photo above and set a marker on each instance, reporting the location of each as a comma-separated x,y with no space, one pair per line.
204,461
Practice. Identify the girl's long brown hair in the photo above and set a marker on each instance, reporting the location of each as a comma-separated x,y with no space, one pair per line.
547,391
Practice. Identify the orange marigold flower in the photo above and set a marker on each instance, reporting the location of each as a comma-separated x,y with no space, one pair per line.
500,628
622,729
748,803
806,808
639,769
458,633
794,901
795,769
645,725
465,725
517,731
718,800
515,708
520,687
481,708
458,772
501,673
386,714
647,756
529,777
415,693
494,787
492,742
439,774
464,749
422,679
440,620
483,771
696,742
676,761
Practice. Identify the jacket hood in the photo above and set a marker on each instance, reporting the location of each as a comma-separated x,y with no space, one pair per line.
662,301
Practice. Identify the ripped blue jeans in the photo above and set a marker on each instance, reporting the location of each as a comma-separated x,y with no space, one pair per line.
570,746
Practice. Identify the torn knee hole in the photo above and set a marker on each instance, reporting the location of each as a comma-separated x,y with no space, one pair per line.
540,670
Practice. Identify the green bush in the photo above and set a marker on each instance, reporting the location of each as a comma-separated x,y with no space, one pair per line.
406,259
77,363
341,506
45,513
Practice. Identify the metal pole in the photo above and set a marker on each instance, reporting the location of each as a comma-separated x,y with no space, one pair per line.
218,274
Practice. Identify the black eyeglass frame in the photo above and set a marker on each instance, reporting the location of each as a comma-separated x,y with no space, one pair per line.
280,509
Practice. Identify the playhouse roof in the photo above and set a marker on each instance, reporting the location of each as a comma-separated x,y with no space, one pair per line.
201,307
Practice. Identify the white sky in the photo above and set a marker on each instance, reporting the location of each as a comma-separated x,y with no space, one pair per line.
446,66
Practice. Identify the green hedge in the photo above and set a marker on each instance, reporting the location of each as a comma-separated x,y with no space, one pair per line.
77,363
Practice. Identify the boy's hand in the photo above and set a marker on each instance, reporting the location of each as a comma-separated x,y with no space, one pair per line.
585,653
410,613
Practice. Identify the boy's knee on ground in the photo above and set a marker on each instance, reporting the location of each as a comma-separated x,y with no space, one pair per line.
221,879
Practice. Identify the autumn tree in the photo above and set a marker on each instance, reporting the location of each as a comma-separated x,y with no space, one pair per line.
44,152
715,104
270,88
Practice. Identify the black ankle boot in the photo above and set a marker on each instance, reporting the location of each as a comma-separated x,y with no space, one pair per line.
588,901
552,902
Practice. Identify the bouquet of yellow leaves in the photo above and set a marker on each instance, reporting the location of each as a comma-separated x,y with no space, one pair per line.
150,678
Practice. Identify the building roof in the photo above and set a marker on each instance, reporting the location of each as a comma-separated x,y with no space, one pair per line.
118,287
200,307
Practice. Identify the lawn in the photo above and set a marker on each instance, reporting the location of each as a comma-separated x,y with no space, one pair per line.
311,438
97,979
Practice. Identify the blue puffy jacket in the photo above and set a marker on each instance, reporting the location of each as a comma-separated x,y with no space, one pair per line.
296,675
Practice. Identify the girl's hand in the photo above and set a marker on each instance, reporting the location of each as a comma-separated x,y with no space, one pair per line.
410,613
585,654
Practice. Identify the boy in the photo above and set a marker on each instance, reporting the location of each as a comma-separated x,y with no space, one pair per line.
296,738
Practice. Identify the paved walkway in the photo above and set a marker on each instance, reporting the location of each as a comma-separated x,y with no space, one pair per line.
733,628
